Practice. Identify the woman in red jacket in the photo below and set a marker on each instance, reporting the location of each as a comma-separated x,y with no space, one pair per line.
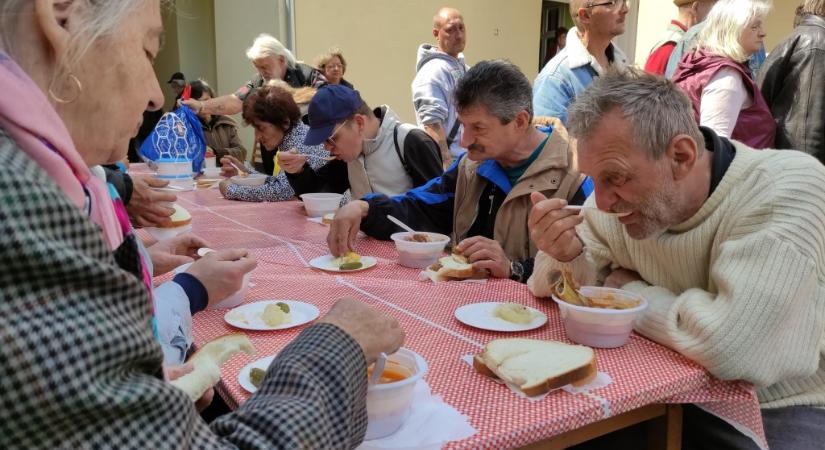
716,76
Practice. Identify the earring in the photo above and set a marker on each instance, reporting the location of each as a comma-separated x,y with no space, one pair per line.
78,89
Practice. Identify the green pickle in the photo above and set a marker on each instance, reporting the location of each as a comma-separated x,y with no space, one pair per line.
284,307
256,376
350,266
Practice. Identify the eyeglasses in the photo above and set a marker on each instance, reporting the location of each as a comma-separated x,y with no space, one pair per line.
334,66
613,4
330,141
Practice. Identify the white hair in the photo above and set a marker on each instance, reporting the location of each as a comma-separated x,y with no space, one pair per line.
726,22
100,18
266,46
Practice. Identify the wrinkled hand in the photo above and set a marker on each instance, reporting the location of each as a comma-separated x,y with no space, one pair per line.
292,161
143,207
226,166
194,105
620,277
344,227
173,252
553,229
486,254
221,272
175,372
374,331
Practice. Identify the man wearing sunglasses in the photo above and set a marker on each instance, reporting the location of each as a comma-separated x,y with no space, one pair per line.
588,54
374,152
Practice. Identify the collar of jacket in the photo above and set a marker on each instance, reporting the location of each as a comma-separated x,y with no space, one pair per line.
385,131
547,160
578,56
812,20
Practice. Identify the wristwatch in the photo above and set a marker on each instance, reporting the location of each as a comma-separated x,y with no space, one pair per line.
516,271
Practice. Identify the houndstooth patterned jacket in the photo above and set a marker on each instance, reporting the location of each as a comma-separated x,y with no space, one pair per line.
80,368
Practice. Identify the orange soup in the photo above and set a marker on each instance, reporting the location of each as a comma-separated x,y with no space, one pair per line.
392,372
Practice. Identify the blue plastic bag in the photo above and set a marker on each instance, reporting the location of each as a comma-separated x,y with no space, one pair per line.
178,135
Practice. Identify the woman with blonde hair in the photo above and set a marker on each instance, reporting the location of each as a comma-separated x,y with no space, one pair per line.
716,76
333,66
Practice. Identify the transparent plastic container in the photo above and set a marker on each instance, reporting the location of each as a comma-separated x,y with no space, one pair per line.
419,255
318,204
388,405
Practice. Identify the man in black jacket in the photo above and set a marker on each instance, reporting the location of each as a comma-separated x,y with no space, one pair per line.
792,80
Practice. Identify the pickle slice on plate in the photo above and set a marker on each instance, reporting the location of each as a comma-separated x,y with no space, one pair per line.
351,266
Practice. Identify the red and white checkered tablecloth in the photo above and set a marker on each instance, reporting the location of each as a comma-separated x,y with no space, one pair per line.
279,235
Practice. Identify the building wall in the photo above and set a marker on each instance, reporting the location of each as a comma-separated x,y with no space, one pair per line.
196,39
168,59
779,22
380,38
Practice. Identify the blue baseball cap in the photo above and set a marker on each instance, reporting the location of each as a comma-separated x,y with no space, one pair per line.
330,105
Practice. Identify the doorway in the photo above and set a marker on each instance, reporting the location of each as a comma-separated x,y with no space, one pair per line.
554,15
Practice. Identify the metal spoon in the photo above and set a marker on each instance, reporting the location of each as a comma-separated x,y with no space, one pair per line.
591,208
241,172
400,224
378,369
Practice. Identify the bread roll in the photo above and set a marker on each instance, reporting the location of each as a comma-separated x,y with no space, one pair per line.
207,362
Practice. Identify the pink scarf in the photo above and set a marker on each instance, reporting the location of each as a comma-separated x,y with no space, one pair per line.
29,118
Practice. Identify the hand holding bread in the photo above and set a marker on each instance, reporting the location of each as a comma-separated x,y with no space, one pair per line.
485,254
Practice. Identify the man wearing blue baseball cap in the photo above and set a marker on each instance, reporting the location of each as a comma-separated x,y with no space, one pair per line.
483,199
375,153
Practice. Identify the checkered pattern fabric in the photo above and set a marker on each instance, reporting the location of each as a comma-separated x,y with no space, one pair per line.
283,241
79,367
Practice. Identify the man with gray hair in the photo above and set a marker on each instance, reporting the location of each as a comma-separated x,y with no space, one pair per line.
588,53
483,199
272,61
726,243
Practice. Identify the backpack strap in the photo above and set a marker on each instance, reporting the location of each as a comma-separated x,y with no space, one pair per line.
398,149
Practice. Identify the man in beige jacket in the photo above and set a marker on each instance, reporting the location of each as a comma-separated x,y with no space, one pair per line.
726,243
483,199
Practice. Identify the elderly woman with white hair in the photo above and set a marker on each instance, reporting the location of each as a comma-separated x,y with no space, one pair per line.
80,363
272,61
716,76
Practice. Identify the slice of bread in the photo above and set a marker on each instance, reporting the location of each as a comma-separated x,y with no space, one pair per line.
454,267
536,366
179,218
207,362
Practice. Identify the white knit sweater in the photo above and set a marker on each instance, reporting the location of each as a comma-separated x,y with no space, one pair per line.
740,286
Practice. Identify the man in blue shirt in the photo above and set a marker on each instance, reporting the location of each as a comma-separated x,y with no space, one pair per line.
588,54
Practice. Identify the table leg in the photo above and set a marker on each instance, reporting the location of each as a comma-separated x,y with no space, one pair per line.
665,432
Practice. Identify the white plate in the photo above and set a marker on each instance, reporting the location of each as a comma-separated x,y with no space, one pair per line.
243,375
248,316
325,263
480,315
